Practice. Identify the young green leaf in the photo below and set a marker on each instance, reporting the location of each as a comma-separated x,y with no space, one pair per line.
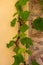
34,62
18,6
26,41
21,50
24,15
18,59
23,2
11,43
13,22
38,24
23,28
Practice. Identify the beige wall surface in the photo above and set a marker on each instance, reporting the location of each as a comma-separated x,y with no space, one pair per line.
7,10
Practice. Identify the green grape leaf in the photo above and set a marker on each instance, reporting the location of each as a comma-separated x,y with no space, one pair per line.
38,24
23,28
23,2
13,22
24,15
26,41
18,6
11,43
18,59
34,62
21,50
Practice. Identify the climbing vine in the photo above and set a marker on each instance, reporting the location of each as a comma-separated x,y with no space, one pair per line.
21,37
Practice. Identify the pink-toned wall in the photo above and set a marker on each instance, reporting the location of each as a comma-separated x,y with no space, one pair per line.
7,10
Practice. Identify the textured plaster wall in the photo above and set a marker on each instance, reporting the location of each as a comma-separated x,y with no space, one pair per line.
7,10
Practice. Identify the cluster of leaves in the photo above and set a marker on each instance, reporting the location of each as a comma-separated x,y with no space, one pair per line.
21,36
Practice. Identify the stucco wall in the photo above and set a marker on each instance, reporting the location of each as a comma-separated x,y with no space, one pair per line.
7,10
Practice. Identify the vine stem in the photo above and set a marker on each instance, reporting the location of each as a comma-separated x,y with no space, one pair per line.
17,40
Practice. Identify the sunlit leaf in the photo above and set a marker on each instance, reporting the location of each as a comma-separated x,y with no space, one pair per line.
23,2
18,59
24,27
26,41
21,50
18,6
11,43
24,15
